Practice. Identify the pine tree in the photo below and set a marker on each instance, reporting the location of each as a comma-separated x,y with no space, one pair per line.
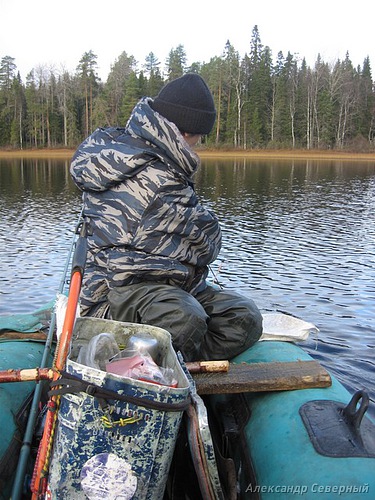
365,126
131,96
86,72
155,81
114,90
7,76
176,62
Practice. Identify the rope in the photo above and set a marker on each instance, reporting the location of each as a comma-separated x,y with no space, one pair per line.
40,475
109,424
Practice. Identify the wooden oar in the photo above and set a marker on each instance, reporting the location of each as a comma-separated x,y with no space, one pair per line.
38,374
40,475
26,375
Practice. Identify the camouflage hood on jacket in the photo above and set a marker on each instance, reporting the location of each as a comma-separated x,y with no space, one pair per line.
121,154
145,219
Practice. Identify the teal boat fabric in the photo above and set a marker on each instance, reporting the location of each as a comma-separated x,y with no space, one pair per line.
28,323
14,398
285,461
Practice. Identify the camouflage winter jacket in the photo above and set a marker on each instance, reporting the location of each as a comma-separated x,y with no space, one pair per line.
145,221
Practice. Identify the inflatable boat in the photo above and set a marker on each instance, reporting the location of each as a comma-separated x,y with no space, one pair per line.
273,426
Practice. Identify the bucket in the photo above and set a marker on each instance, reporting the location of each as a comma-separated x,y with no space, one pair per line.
120,447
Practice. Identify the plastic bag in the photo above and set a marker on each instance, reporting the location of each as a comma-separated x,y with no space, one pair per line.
103,353
98,351
139,365
282,327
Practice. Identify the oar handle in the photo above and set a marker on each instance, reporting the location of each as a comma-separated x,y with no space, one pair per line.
207,366
70,317
80,252
78,267
26,375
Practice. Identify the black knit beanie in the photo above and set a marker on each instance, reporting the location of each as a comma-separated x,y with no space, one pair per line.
188,103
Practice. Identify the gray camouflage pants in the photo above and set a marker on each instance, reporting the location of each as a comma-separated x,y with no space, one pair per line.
213,325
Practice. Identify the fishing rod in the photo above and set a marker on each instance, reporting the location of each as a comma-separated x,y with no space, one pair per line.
34,408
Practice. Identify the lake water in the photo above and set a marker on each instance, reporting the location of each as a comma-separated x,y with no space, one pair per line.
299,238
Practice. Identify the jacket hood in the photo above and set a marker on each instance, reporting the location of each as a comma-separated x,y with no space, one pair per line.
106,158
154,128
111,155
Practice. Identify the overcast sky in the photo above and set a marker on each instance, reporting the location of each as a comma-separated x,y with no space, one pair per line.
57,34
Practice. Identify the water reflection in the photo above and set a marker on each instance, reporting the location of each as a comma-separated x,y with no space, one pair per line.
298,238
38,207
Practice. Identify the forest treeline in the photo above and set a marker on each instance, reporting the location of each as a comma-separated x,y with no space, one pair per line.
261,102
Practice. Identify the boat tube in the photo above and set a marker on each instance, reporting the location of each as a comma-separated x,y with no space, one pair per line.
15,399
304,442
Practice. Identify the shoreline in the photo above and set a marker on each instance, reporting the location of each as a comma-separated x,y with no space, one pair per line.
250,154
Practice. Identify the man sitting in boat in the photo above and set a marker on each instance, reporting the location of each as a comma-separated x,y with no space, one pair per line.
150,241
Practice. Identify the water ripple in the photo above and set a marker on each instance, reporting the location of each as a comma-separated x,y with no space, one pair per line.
298,238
